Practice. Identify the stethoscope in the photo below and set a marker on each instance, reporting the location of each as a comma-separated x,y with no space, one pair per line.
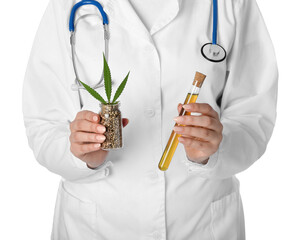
77,86
211,51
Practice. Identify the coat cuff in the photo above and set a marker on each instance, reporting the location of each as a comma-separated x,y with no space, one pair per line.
199,169
103,168
93,173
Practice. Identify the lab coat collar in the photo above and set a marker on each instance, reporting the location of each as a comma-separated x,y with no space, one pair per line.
122,12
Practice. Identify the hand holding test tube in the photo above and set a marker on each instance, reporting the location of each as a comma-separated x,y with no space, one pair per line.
173,139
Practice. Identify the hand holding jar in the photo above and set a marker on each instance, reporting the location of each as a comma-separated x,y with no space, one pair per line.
86,137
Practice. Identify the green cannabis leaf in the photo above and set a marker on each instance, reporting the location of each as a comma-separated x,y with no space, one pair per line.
93,93
108,85
107,78
120,88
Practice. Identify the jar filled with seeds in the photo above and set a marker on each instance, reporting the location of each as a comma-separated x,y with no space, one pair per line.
112,120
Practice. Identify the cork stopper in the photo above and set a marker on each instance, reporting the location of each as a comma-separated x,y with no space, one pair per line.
199,79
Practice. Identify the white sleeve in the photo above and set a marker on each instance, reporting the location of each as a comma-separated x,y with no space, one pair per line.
248,107
47,104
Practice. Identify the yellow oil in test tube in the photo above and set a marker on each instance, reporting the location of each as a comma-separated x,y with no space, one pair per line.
173,139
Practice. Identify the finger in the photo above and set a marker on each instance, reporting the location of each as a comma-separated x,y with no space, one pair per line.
179,107
125,121
88,115
86,126
82,137
81,149
198,132
203,108
200,121
196,143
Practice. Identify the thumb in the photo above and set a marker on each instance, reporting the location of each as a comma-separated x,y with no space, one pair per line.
179,107
125,121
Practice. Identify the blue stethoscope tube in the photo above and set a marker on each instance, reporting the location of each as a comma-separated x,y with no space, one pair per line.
86,2
215,17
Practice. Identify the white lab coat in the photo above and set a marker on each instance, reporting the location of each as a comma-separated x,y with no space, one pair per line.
129,197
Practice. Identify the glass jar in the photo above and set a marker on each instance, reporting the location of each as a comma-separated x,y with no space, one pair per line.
112,120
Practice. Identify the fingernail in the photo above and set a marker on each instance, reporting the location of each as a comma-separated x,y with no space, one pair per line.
100,137
97,145
95,118
180,139
187,107
101,129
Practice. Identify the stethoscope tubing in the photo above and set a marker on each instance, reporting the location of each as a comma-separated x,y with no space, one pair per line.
214,52
86,2
78,85
215,19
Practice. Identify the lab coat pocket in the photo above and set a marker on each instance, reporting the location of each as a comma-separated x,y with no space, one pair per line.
77,217
225,223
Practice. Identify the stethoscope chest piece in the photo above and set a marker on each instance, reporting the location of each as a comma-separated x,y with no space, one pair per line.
213,52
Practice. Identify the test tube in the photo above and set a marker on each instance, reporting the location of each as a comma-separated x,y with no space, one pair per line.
173,139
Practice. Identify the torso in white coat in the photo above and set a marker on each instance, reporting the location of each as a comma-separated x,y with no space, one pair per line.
132,198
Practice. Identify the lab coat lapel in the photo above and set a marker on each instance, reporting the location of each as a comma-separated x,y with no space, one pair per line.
171,13
122,12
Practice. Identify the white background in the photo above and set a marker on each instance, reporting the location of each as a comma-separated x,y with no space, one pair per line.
273,189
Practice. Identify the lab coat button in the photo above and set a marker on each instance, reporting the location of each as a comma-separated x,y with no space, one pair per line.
106,171
149,112
153,176
157,235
